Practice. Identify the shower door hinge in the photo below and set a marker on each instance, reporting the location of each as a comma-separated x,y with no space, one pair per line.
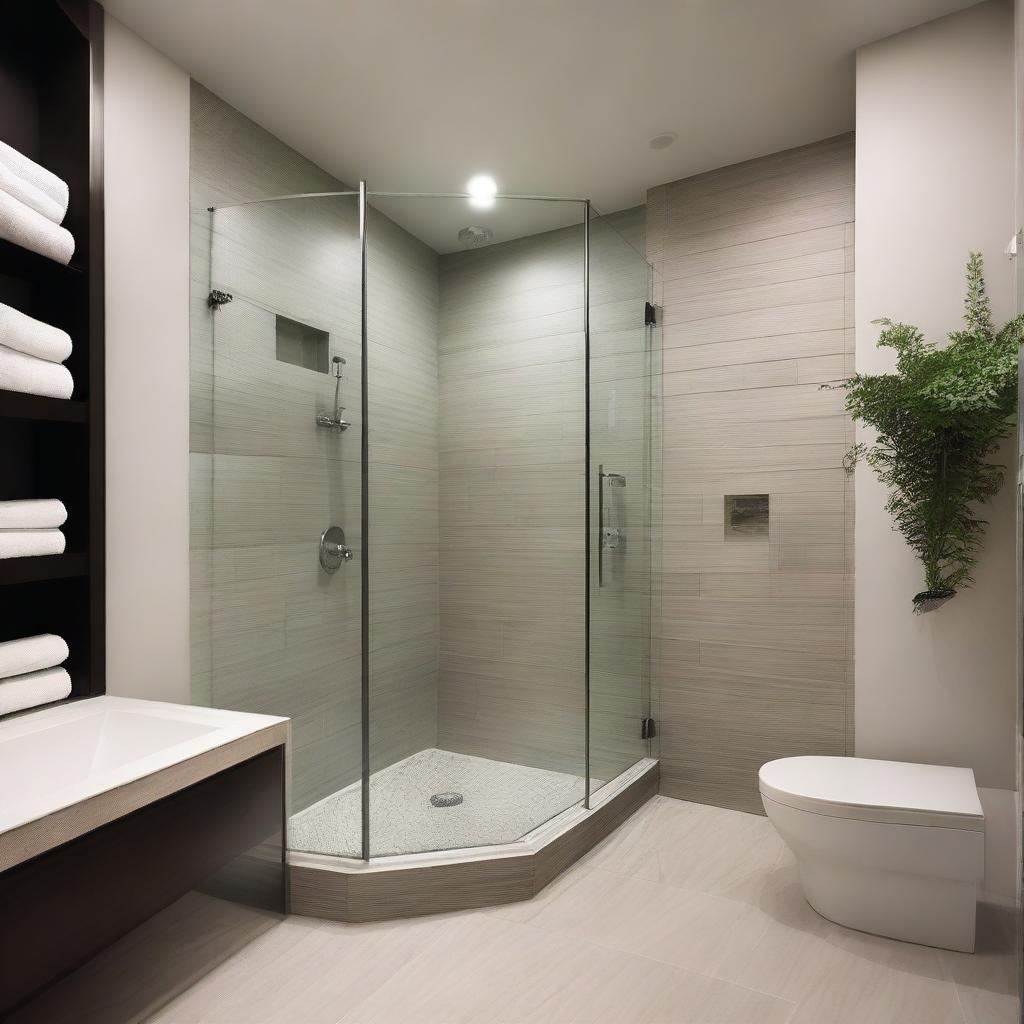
650,314
648,730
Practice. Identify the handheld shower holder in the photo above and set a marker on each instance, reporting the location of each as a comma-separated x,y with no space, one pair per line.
324,419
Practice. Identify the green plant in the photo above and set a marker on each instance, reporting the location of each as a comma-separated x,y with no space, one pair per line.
938,419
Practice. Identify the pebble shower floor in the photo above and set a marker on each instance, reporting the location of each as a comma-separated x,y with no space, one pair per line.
501,803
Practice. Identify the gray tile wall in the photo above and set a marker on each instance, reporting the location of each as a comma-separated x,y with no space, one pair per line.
512,500
271,632
476,477
755,651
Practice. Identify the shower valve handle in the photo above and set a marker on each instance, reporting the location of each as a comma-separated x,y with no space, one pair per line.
333,549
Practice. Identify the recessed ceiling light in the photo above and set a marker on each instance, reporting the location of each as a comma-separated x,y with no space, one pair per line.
482,190
474,236
663,141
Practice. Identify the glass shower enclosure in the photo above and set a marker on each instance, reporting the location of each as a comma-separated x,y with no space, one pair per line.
431,492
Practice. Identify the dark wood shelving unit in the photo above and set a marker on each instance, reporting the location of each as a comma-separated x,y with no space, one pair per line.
15,261
42,567
35,407
51,88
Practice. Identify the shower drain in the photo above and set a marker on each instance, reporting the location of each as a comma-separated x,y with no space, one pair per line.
446,799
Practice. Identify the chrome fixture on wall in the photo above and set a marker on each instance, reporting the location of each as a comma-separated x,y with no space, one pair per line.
608,537
324,419
333,549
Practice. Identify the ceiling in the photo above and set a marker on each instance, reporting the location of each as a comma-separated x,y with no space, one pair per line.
551,97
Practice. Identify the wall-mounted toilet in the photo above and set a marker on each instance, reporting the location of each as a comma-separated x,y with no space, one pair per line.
886,847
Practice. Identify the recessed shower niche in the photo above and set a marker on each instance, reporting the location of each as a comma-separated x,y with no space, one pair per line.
302,345
746,517
465,650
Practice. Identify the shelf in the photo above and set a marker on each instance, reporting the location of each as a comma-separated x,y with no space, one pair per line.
23,263
15,405
51,89
42,567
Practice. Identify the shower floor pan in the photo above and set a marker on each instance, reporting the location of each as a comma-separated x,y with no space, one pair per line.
414,806
478,851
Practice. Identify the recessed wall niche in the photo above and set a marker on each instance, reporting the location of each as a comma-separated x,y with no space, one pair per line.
746,517
302,345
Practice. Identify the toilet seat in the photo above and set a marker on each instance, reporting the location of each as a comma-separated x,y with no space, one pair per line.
867,790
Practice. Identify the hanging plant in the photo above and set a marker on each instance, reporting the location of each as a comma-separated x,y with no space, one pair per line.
938,419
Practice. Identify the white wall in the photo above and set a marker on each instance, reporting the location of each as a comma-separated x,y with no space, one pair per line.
935,179
146,154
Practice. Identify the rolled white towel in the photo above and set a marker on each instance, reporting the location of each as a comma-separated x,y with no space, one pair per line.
21,225
25,334
32,376
30,691
29,543
35,174
24,191
32,653
32,514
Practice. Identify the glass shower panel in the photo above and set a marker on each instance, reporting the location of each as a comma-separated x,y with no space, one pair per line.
476,497
624,435
284,308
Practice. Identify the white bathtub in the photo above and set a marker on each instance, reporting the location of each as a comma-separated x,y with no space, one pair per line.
59,757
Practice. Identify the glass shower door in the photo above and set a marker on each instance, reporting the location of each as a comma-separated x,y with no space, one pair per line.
476,488
624,426
282,631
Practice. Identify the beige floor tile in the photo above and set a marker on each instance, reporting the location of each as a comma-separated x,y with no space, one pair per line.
784,948
857,993
682,927
986,981
686,915
693,846
312,976
487,970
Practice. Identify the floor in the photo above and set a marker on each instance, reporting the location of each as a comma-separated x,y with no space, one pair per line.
686,915
501,803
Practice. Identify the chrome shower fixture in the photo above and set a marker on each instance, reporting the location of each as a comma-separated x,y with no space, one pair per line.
324,419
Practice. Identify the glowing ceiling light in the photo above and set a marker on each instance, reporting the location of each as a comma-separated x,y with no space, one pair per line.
482,190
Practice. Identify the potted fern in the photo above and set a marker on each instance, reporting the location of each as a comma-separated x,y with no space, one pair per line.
938,419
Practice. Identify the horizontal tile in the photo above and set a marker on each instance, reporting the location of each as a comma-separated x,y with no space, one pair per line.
759,298
807,345
681,291
794,318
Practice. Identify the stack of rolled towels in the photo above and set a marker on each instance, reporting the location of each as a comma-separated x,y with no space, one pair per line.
33,202
30,672
32,527
31,354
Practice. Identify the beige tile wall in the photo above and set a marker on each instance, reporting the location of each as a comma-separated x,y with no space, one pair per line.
272,632
755,656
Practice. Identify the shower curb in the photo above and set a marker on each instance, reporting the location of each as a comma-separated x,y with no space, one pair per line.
354,891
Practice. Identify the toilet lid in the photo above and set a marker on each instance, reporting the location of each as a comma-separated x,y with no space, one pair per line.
889,791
